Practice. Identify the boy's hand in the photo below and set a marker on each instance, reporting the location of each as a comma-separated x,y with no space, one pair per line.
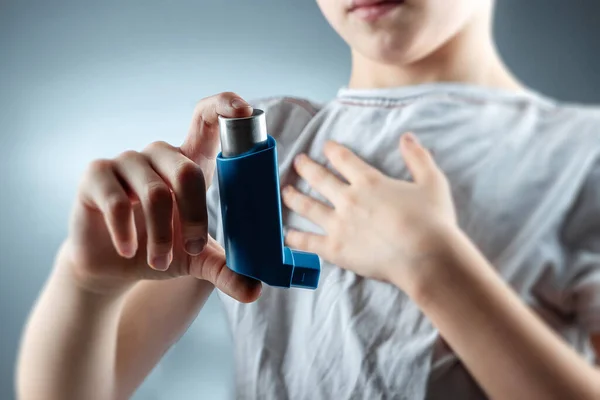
143,214
379,227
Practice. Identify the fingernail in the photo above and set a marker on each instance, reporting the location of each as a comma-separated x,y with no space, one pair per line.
299,158
195,246
161,263
128,250
411,139
239,103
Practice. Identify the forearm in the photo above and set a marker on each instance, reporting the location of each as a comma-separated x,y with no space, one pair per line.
509,351
155,315
68,347
79,344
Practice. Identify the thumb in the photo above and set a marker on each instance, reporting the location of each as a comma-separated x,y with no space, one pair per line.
202,142
419,160
210,266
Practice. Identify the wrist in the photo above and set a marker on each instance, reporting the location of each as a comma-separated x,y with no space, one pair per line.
433,264
72,275
461,266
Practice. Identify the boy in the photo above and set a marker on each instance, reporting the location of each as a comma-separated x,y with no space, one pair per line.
413,301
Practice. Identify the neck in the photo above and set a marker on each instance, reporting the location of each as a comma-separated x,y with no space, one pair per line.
470,56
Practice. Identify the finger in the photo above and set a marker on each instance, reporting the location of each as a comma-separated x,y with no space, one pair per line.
102,190
347,163
202,142
210,266
187,182
419,161
157,204
306,206
319,178
305,241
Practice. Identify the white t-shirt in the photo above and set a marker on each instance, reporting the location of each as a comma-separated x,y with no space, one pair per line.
525,176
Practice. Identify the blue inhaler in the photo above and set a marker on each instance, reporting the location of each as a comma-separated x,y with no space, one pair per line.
248,175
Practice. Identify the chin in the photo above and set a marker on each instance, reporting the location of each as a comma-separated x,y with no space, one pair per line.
389,48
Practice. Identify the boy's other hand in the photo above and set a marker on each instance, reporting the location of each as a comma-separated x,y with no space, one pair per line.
142,215
378,227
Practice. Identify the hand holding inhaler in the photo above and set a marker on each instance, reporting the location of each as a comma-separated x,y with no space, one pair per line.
142,215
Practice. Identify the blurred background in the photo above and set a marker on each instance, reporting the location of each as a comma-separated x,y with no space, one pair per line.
81,80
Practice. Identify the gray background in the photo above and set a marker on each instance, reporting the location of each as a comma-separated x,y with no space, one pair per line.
81,80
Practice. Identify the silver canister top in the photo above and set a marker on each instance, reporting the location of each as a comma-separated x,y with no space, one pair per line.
239,135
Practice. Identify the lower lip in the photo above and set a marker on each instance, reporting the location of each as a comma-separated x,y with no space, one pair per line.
374,12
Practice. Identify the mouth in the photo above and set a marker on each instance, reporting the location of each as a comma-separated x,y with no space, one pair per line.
371,10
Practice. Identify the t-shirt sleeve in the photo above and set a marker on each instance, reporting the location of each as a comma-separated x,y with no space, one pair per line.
581,237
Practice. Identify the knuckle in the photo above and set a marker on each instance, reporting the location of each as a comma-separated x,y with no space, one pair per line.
158,194
99,166
204,108
130,155
369,179
223,279
302,241
208,100
319,175
210,104
342,154
294,239
187,172
157,145
349,201
161,240
117,205
208,269
226,96
305,204
335,246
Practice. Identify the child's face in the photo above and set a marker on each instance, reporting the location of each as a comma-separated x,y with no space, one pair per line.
398,31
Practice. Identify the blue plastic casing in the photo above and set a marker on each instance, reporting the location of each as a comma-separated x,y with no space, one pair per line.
252,225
